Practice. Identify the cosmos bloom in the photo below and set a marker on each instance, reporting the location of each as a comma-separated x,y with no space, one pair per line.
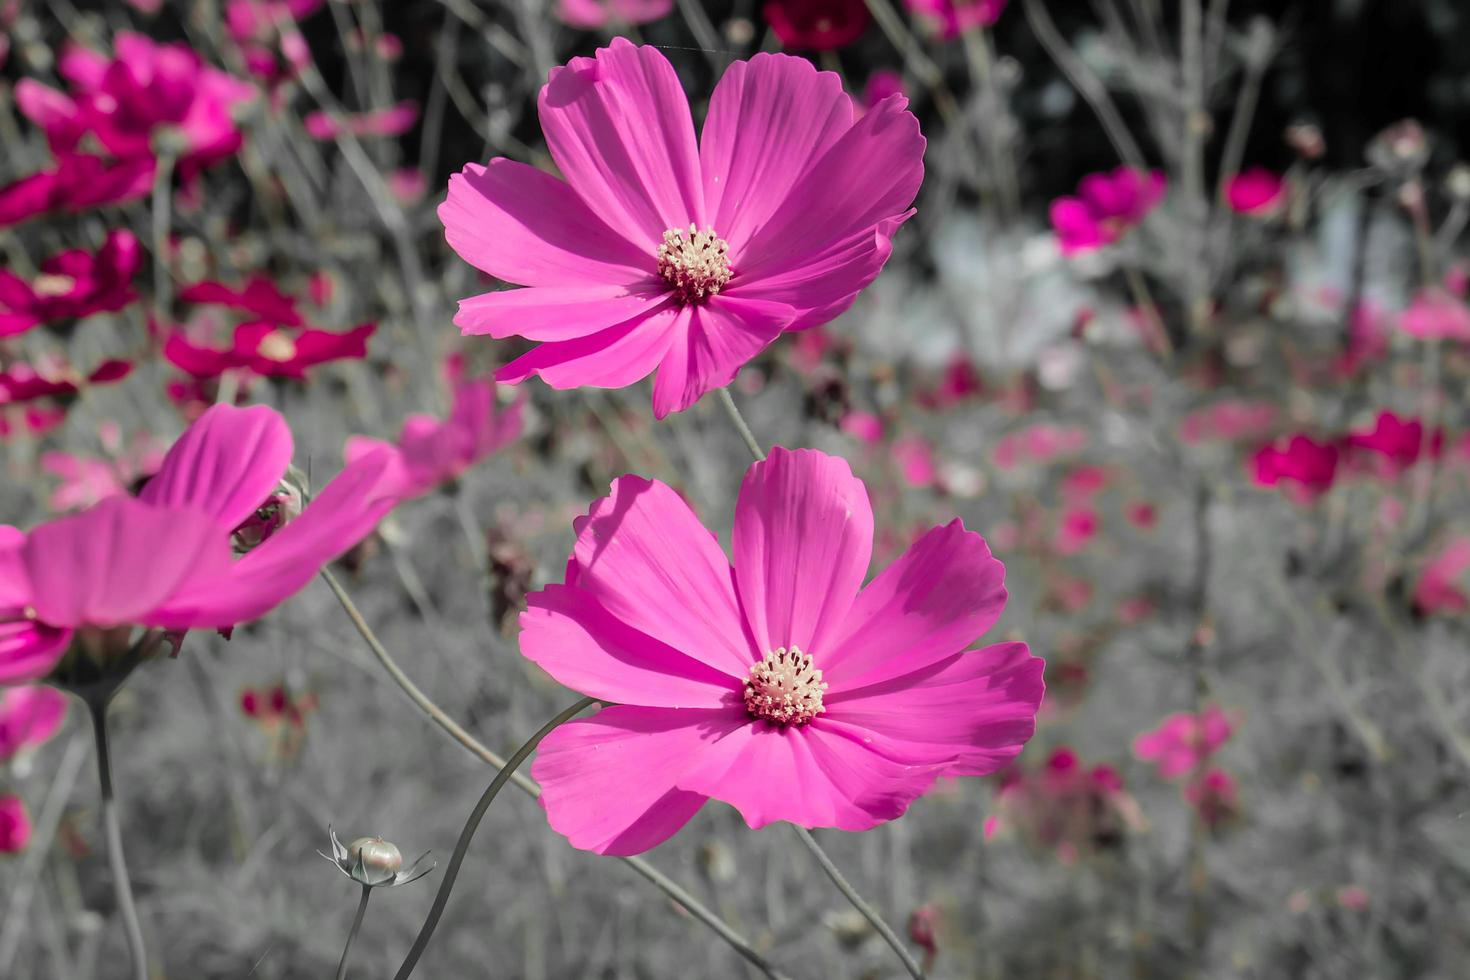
263,348
393,121
1040,443
165,558
950,18
1106,206
1305,468
84,480
126,99
15,824
1394,444
432,451
1257,192
23,382
593,14
1184,741
1215,796
781,686
257,296
72,285
1441,587
76,182
1230,420
29,716
1065,807
660,254
817,25
1436,315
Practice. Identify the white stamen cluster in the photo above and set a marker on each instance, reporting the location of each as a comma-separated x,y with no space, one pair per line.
784,688
696,263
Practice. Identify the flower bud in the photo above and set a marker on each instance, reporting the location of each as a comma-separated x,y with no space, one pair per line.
377,859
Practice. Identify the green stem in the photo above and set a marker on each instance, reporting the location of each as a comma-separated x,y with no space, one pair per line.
864,909
733,411
367,892
446,885
162,198
111,831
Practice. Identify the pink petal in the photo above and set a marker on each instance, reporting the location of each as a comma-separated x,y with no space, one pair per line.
810,775
619,129
802,541
29,715
980,705
722,335
558,312
613,358
869,175
116,563
346,510
825,285
769,120
1077,230
608,782
28,650
15,588
644,556
578,642
226,464
940,595
525,226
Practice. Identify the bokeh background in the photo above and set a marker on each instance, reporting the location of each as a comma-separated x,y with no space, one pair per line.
1287,618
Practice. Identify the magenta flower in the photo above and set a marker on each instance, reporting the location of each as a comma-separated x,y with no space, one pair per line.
1231,420
1106,206
1257,192
658,254
1304,467
72,285
77,182
1442,583
84,480
431,452
950,18
29,716
882,84
164,558
1394,444
24,382
1436,315
257,296
817,25
1184,741
263,348
1038,444
15,824
1215,796
1065,807
594,14
781,686
392,121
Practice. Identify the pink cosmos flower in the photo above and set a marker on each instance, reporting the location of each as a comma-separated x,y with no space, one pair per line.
15,825
393,121
1038,444
1436,315
1257,192
817,25
72,285
1184,741
1082,483
86,480
76,182
1394,444
865,427
1077,529
145,87
1106,206
25,382
1215,796
29,715
32,420
1441,587
959,382
257,296
781,686
1304,467
265,349
1141,514
1066,807
881,84
432,452
950,18
914,457
164,558
660,254
1231,420
594,14
1369,329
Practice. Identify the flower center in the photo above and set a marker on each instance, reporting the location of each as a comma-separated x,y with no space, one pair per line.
280,507
784,688
48,285
695,263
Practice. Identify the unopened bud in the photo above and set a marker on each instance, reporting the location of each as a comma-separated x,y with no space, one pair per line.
378,858
373,861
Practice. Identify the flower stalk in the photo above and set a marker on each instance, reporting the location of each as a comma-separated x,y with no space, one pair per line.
367,892
112,833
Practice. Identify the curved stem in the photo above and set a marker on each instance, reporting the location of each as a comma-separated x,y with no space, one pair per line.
367,893
162,198
446,885
121,885
734,412
866,910
657,878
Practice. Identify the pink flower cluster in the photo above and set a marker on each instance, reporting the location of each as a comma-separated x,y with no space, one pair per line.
1106,206
950,18
72,285
1065,807
1182,745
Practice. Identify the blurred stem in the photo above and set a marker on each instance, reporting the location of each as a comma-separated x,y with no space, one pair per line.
446,885
1086,82
1240,121
121,885
733,411
162,198
864,909
367,893
1194,128
1144,299
664,884
982,74
916,61
704,31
